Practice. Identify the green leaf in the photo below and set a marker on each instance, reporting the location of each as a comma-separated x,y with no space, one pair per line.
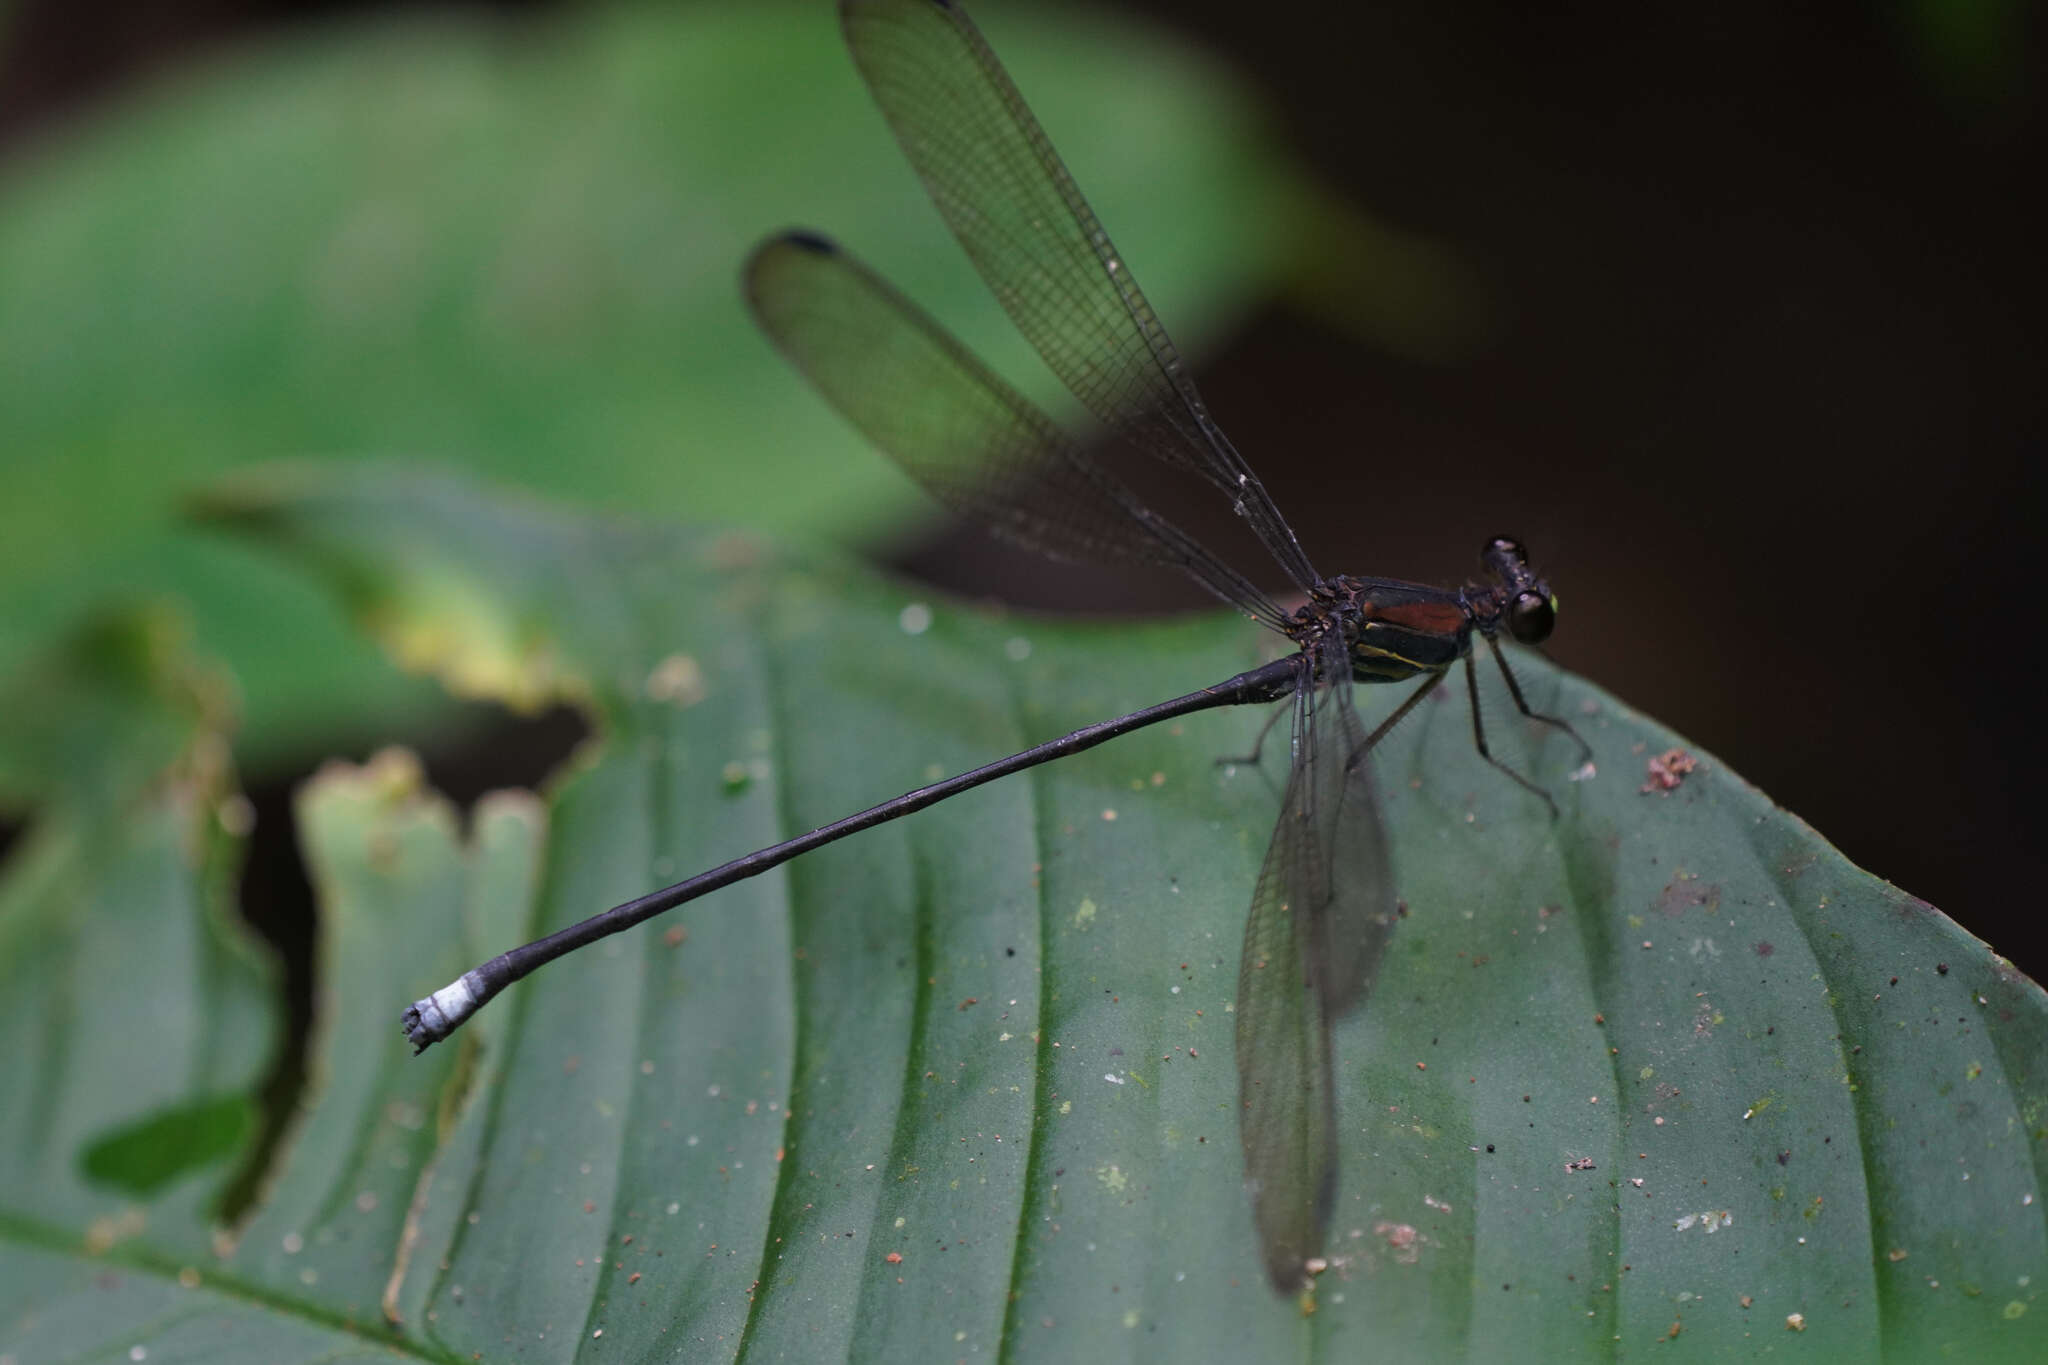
145,1156
136,1013
511,244
1666,1070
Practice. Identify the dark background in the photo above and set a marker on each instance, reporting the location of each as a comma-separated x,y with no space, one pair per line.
1767,403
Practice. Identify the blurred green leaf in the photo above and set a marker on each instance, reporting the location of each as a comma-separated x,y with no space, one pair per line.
1976,53
1661,1073
513,244
136,1014
96,717
145,1156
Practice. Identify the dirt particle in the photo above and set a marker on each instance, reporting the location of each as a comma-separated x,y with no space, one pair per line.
1667,770
1401,1239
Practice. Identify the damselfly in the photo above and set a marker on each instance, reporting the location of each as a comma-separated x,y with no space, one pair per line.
1323,909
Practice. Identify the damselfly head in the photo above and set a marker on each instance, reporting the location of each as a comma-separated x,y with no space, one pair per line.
1508,559
1532,610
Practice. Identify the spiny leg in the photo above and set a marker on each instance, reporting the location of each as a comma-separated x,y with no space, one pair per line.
1379,731
1515,691
1479,733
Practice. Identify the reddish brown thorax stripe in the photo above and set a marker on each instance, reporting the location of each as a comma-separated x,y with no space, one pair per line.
1436,618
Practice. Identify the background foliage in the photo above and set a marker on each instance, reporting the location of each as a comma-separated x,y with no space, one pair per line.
509,245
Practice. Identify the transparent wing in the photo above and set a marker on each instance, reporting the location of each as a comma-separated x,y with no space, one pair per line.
1287,1112
974,443
1319,923
1008,198
1361,909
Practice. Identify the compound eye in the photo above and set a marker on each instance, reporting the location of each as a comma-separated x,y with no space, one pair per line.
1531,617
1506,547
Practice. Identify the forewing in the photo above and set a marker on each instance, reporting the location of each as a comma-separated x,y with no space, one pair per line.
1008,198
1287,1116
1319,923
973,442
1361,909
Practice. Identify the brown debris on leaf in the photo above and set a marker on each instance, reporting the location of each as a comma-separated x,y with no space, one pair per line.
1667,770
